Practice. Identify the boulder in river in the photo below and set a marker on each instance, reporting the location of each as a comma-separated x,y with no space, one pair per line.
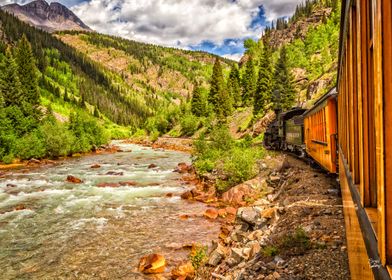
95,166
152,264
74,180
182,167
108,185
113,173
152,166
211,213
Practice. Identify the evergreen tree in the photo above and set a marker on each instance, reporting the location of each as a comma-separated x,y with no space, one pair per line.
219,97
284,93
27,71
234,86
199,102
263,93
249,82
10,87
217,83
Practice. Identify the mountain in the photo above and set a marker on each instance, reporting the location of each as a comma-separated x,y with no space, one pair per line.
53,17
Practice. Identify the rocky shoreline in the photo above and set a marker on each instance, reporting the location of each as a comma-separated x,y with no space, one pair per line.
35,163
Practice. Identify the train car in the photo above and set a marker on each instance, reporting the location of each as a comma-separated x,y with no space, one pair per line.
286,131
365,135
320,127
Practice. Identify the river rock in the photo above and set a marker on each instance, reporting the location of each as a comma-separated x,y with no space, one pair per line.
248,215
183,271
211,213
152,264
108,185
237,194
182,167
95,166
113,173
217,255
268,213
152,165
74,180
187,195
128,183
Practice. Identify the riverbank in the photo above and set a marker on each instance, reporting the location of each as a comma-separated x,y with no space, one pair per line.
287,223
36,163
294,229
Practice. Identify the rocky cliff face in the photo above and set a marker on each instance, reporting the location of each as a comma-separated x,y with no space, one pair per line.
53,17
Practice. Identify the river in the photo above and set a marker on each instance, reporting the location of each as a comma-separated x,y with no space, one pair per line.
52,229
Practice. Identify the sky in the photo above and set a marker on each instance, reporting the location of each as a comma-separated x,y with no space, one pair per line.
216,26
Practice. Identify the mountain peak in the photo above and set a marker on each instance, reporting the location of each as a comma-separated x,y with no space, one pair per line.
50,17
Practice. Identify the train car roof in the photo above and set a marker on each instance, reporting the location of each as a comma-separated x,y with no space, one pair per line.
331,94
293,112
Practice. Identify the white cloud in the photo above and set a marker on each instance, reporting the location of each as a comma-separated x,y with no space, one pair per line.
179,22
235,56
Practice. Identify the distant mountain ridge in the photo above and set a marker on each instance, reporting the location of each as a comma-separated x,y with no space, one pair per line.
49,17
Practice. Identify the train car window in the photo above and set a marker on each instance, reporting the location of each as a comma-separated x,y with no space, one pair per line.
387,72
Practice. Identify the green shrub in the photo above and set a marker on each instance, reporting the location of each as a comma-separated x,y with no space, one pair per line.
198,256
239,165
221,138
270,251
31,146
58,139
299,239
189,124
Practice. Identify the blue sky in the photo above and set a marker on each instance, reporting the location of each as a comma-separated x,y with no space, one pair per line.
217,26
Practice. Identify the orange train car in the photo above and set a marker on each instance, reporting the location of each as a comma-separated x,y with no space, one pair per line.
320,129
365,135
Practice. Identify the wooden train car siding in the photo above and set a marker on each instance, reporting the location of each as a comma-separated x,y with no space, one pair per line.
320,132
365,134
387,70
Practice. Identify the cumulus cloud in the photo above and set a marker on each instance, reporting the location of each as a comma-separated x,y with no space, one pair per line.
181,23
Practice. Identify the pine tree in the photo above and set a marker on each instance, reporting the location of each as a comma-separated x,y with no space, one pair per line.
249,82
263,93
284,93
234,86
10,87
27,71
199,102
219,97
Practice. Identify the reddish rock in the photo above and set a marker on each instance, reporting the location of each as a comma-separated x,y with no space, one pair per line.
113,173
151,166
108,185
74,180
20,207
231,211
237,194
128,183
187,195
184,217
34,161
11,186
95,166
222,212
152,264
211,213
183,271
169,195
183,168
